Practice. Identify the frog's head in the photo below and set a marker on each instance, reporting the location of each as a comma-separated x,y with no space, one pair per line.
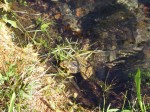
63,64
70,66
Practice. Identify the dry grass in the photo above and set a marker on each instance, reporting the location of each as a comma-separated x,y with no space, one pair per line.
45,93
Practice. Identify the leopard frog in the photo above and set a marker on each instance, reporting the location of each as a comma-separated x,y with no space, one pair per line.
79,64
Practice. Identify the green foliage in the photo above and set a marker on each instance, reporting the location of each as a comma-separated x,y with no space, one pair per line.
12,101
11,22
111,110
138,90
6,14
8,74
44,25
22,2
13,90
43,28
69,50
65,51
5,5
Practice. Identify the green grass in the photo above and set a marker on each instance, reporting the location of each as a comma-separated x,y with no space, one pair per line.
70,50
13,89
138,103
138,90
65,50
12,101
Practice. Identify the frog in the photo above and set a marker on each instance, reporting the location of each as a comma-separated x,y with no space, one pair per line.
76,65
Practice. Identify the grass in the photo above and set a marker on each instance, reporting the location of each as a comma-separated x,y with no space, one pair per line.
138,99
17,68
66,50
12,101
70,50
138,90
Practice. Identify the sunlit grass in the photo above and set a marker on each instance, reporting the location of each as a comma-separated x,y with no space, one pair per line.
12,101
70,50
65,50
17,68
25,86
5,6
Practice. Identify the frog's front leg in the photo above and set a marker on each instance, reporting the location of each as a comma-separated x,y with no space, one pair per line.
72,80
74,84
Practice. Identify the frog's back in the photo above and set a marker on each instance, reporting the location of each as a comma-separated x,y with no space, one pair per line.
70,66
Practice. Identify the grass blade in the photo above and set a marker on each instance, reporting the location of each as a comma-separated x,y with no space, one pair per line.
138,88
12,102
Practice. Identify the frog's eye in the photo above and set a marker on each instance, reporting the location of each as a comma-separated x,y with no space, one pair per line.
75,64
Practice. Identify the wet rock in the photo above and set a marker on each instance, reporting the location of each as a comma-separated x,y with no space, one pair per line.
73,11
111,27
143,27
